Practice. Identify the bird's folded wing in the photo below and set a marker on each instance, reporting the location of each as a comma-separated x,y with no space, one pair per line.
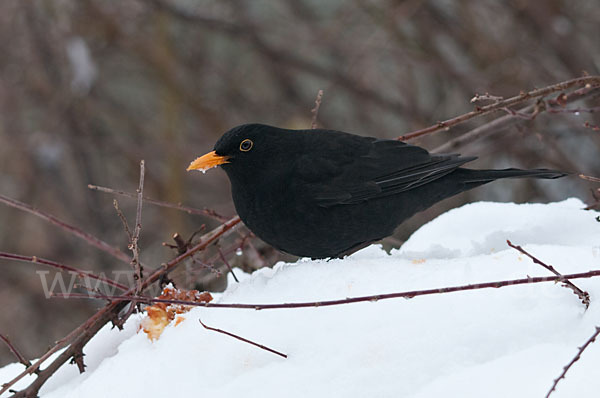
388,168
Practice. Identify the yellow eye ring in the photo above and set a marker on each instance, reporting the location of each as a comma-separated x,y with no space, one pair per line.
246,145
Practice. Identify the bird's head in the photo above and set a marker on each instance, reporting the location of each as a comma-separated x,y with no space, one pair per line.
245,149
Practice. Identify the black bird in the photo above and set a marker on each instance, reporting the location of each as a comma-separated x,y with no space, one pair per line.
324,193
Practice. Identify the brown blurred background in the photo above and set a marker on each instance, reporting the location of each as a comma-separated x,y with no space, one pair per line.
90,87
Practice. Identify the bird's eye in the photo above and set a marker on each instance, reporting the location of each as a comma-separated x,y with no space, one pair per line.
246,145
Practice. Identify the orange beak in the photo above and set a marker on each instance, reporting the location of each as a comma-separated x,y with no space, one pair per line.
207,161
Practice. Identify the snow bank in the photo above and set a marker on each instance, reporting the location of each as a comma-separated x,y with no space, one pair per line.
487,343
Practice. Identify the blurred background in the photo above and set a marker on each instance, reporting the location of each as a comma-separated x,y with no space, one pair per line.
88,88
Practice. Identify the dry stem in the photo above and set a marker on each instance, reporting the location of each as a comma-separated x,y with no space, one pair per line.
187,209
350,300
82,274
88,238
575,359
243,339
583,295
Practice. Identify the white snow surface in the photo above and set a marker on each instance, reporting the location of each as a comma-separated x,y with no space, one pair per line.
507,342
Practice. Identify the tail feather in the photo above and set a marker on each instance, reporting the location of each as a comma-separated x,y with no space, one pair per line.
483,176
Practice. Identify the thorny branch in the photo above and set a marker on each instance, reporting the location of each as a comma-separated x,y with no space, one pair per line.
575,359
243,339
350,300
592,82
506,121
15,352
583,295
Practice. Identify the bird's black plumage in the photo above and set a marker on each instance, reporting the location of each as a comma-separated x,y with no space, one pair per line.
323,193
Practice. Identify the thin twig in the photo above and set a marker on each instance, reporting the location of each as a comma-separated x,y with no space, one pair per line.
227,265
15,352
315,110
583,295
243,339
591,81
80,273
134,244
486,97
349,300
90,239
187,209
575,359
123,220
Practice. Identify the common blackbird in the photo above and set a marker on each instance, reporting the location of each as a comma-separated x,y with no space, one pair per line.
324,193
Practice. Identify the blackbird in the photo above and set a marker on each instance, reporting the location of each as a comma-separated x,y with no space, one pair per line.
323,193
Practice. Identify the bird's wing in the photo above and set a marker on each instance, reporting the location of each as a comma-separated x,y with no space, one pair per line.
379,168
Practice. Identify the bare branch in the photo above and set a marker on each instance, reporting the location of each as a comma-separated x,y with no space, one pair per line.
583,295
586,81
486,97
134,244
243,339
575,359
350,300
15,352
123,220
506,121
227,265
82,274
190,210
90,239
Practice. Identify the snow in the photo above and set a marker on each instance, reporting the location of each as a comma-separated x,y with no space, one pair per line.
512,341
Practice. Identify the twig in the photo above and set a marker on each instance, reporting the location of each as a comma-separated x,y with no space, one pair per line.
315,110
583,295
575,359
90,239
243,339
207,266
591,81
486,97
227,265
134,244
350,300
15,352
123,220
187,209
82,274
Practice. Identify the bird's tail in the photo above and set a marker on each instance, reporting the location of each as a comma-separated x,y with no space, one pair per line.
483,176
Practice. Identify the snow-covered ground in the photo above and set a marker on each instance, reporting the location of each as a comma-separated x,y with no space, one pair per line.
508,342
